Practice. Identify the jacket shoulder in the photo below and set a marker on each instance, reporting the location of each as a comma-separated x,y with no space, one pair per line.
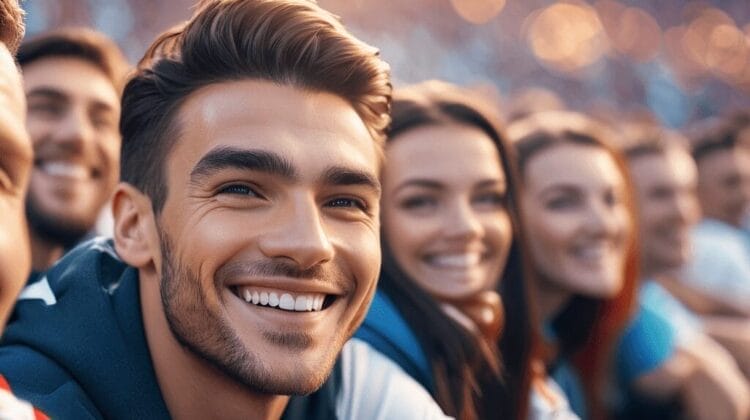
35,378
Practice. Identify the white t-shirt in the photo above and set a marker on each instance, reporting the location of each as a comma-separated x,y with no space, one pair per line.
721,264
542,408
376,388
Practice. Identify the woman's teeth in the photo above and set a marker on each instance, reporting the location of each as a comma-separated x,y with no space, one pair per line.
465,260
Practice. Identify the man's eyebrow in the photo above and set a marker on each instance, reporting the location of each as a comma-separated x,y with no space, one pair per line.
233,158
340,175
47,92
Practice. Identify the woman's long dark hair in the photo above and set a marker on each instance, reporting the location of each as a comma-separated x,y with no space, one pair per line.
468,381
586,328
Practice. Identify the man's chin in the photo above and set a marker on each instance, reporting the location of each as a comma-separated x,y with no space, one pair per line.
57,228
295,383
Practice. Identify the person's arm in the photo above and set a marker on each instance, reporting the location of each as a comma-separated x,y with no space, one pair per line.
716,389
700,302
733,333
665,382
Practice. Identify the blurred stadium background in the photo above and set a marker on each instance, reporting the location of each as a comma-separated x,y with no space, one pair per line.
681,61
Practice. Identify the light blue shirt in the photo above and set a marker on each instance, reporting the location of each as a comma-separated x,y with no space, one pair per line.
720,266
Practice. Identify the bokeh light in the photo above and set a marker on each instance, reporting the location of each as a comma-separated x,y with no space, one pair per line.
566,36
478,11
632,31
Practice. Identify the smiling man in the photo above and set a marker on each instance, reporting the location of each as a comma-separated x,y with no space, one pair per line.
72,79
246,245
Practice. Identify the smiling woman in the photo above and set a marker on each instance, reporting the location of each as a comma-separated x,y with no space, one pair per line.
579,214
449,224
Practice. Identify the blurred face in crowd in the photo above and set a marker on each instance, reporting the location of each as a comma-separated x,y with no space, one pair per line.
665,185
73,113
15,166
724,184
270,232
577,221
444,213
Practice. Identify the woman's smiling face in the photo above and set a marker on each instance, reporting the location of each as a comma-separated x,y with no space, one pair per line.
577,219
444,212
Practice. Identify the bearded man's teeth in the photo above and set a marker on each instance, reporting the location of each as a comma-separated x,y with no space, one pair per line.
285,301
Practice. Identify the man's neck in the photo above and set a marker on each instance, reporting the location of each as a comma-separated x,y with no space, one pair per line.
44,253
191,387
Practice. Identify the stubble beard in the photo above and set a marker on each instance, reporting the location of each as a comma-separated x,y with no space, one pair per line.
211,338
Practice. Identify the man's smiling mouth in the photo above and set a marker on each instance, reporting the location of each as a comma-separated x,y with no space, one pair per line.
284,300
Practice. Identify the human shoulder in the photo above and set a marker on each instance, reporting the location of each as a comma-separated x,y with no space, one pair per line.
39,380
386,331
374,387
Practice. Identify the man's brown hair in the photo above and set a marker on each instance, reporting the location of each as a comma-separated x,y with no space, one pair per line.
11,24
290,42
80,43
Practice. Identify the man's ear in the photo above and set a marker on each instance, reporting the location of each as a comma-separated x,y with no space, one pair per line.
134,226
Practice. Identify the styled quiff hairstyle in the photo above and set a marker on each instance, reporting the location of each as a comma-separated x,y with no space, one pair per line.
289,42
79,43
11,24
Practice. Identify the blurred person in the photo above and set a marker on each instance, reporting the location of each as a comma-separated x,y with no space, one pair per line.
451,247
665,177
15,167
723,160
581,224
73,80
246,246
720,267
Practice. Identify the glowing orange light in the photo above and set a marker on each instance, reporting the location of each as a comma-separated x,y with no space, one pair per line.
632,32
567,36
478,11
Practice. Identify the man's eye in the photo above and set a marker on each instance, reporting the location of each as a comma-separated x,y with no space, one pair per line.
238,189
47,110
348,203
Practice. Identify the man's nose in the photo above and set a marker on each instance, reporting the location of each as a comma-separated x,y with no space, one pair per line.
300,235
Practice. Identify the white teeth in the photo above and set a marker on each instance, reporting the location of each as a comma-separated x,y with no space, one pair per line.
273,299
300,304
286,302
65,169
457,260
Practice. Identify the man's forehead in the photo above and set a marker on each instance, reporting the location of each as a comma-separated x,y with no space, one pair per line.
289,121
63,76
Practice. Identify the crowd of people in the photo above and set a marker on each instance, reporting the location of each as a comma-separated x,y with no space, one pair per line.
293,237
